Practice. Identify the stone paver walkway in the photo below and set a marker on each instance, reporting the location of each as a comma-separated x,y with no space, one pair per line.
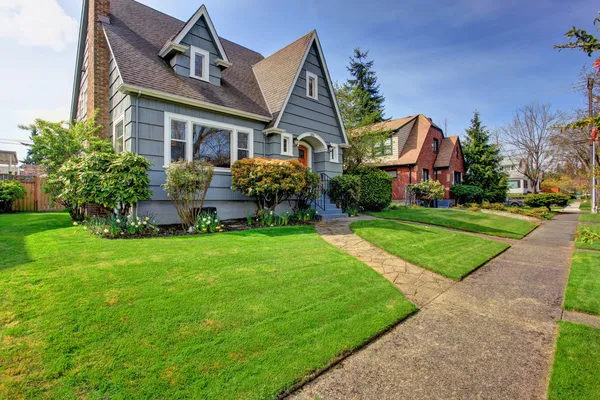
418,285
489,337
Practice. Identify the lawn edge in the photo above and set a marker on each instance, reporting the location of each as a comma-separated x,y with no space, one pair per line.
344,355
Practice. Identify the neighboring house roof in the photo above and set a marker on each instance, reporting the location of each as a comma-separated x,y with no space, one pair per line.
8,157
446,152
277,73
137,34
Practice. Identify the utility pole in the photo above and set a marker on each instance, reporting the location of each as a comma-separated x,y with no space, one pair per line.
590,86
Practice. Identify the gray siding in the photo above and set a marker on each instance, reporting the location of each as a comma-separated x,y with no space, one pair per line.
199,36
119,104
151,144
303,114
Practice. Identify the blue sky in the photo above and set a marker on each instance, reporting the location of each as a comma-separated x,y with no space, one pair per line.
440,58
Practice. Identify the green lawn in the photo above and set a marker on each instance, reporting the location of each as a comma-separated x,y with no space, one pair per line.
489,224
589,217
583,289
229,316
575,373
593,246
452,254
585,205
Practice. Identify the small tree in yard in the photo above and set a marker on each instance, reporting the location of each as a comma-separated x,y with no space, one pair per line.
467,193
187,184
10,190
428,190
546,200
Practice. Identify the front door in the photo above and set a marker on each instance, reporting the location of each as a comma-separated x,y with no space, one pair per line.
303,155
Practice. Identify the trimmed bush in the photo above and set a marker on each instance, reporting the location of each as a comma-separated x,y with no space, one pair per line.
546,200
344,190
187,184
467,193
10,190
375,188
428,190
268,181
308,192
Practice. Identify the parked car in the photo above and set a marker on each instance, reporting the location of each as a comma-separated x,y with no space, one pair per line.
513,202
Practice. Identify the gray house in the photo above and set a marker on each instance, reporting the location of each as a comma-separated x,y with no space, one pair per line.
170,90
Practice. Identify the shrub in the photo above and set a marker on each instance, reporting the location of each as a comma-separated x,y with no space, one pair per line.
375,188
208,222
546,200
10,190
473,207
344,191
308,192
486,205
497,206
467,193
115,181
539,213
587,235
428,190
187,184
268,181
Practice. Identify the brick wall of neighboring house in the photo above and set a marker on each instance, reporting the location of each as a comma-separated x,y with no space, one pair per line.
427,156
98,65
446,175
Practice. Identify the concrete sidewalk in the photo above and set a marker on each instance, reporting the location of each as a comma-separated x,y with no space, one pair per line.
490,337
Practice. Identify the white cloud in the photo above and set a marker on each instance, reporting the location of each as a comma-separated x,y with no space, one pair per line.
42,23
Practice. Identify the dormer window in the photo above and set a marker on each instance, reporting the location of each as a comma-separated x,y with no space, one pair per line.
199,63
312,86
436,145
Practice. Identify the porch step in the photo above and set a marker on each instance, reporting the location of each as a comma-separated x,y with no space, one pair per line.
330,214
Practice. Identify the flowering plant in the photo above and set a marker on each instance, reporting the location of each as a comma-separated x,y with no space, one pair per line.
208,222
114,226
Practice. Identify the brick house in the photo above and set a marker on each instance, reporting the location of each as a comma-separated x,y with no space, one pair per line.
417,150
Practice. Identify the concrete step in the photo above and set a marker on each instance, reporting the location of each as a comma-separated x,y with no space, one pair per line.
332,216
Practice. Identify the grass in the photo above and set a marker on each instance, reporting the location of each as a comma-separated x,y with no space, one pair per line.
452,254
589,217
232,315
590,246
586,204
583,289
489,224
576,363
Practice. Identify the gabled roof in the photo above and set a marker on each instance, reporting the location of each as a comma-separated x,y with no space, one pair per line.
446,151
278,72
190,24
136,35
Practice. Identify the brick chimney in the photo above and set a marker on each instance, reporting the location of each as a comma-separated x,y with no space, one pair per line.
98,64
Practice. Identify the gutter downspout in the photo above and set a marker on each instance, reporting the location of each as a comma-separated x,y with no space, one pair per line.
136,135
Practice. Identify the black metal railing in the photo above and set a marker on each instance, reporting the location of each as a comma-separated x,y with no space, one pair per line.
329,194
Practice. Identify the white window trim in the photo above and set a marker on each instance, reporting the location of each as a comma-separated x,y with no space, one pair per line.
190,121
116,122
290,150
336,153
316,78
205,65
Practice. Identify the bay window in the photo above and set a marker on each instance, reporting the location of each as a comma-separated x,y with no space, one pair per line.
213,142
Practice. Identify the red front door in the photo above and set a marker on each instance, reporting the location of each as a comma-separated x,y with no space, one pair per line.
303,155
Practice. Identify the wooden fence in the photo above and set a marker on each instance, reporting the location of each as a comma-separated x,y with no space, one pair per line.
35,198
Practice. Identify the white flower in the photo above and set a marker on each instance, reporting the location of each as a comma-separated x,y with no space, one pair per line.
145,222
138,218
75,223
122,233
118,221
105,230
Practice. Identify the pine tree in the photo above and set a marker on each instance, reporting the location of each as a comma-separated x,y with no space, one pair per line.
367,100
482,162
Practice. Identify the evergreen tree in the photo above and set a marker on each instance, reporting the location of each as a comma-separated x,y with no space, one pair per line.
361,92
482,162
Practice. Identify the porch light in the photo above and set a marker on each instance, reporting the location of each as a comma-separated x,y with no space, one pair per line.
296,142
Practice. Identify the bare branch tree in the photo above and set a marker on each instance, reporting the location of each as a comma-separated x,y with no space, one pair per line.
528,138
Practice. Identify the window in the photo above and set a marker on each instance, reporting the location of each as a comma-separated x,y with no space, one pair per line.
213,142
333,153
178,140
312,85
425,174
393,173
119,135
383,148
199,63
457,177
436,145
286,144
514,184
